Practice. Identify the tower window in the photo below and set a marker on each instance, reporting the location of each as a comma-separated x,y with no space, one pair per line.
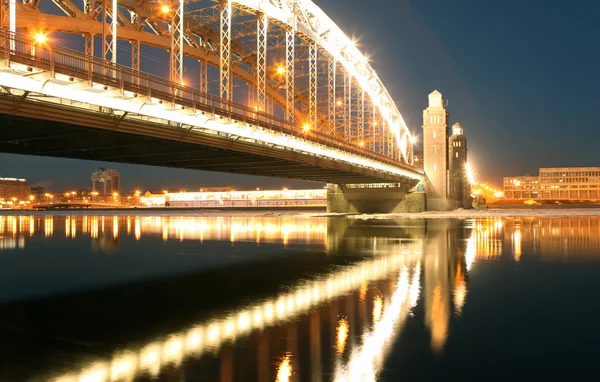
457,154
435,167
434,134
434,150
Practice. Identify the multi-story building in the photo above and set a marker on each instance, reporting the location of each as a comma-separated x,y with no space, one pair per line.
105,181
444,158
556,183
13,189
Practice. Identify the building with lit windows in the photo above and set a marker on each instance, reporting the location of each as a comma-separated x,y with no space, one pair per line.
556,183
14,190
444,158
105,181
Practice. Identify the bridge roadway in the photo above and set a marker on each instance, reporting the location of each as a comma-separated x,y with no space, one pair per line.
58,102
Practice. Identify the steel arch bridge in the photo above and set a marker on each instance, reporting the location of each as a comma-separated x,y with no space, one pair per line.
291,64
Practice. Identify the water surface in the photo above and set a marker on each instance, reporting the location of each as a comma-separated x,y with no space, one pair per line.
297,298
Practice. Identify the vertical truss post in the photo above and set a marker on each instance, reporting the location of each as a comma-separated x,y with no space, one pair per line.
372,127
109,30
88,37
176,53
135,55
12,15
410,159
262,25
135,48
361,116
290,39
312,84
225,51
331,101
270,106
389,141
252,97
12,22
347,106
203,76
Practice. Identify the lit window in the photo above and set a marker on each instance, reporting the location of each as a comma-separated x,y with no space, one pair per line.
457,154
434,134
435,167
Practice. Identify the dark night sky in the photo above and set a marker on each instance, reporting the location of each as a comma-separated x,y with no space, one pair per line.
522,77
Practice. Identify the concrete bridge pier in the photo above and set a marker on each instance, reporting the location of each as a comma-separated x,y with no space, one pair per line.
374,198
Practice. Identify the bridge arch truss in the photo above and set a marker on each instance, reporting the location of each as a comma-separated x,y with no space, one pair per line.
283,57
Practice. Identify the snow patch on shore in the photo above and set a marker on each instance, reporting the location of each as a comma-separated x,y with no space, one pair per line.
474,214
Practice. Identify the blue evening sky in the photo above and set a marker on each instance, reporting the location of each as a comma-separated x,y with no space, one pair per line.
522,77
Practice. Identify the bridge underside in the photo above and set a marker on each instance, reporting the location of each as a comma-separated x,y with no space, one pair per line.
58,131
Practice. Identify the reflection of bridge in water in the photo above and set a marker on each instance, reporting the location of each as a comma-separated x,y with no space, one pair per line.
356,311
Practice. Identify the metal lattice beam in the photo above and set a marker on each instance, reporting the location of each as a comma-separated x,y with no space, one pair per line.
203,76
176,53
262,25
290,39
312,68
331,98
226,82
361,117
347,106
109,30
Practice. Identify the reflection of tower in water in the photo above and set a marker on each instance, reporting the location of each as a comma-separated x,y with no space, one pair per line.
445,283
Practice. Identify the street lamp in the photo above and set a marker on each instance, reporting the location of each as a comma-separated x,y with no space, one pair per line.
40,38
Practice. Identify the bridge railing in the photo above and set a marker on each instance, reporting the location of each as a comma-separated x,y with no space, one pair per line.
56,59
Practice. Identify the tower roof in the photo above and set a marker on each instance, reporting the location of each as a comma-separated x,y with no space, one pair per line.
435,98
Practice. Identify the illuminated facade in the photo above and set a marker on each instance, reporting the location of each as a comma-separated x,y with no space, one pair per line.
220,199
556,183
105,181
444,158
14,190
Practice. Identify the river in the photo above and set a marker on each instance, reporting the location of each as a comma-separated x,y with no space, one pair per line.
277,297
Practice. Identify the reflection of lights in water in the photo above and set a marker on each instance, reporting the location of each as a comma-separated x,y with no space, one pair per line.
363,292
284,369
471,250
31,227
73,228
517,244
460,289
138,229
342,335
115,227
94,231
439,322
128,225
377,308
173,350
123,367
211,335
150,358
366,360
68,227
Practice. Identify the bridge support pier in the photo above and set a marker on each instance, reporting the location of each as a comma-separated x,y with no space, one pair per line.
373,199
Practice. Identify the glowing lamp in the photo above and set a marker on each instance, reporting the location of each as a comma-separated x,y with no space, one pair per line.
40,38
